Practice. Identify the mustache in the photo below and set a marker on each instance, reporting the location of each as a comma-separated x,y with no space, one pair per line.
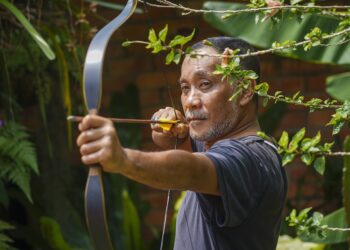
195,114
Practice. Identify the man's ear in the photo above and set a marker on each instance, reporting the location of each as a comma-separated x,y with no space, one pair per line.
247,94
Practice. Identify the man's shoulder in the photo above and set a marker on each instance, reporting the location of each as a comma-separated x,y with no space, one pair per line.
245,141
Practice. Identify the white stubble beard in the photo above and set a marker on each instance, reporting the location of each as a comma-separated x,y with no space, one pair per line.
219,128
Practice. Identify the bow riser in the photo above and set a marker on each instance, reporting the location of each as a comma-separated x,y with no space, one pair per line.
94,192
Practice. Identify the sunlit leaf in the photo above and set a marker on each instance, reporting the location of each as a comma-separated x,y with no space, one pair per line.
320,164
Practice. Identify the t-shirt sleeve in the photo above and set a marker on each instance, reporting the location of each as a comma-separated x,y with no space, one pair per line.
240,180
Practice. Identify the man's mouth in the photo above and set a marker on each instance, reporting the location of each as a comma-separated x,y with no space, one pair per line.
195,115
191,119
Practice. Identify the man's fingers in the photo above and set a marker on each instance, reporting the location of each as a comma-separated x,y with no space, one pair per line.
92,121
92,147
90,135
92,158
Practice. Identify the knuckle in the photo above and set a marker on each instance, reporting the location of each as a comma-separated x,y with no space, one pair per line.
82,150
109,130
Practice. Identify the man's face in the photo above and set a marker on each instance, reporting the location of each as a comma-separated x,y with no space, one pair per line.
205,98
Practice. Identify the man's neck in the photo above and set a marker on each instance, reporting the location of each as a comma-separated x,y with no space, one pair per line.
246,127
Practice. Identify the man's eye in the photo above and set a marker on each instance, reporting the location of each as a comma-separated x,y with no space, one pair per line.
184,88
205,84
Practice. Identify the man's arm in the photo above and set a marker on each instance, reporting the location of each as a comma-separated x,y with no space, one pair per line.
172,169
167,142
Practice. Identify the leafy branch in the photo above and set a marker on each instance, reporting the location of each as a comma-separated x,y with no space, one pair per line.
243,79
297,99
157,43
308,225
254,7
230,68
312,39
310,150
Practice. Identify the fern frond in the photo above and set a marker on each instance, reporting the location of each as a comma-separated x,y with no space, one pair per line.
4,239
17,156
5,226
21,178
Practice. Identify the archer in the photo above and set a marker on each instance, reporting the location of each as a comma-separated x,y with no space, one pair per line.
236,186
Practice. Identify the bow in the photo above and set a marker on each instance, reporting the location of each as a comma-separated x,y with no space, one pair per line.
94,191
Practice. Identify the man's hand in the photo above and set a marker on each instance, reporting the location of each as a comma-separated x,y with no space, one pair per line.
166,139
99,144
177,130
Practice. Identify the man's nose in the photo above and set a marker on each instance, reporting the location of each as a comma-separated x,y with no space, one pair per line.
194,99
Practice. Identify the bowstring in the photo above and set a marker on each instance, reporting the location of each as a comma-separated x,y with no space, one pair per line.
176,139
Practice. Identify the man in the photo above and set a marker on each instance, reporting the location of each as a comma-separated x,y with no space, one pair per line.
235,184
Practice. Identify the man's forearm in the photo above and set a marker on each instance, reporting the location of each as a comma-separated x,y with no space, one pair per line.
168,143
172,169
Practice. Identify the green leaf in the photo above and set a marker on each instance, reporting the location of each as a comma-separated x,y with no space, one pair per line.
131,223
152,37
163,33
303,213
208,43
262,88
293,145
320,164
338,86
307,159
5,226
30,29
177,58
307,143
262,135
157,47
284,140
17,156
287,158
335,219
263,34
235,94
52,234
170,57
181,40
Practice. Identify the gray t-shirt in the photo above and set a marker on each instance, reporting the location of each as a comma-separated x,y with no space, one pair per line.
247,215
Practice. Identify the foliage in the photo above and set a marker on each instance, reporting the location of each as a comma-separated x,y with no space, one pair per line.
341,116
307,225
158,44
338,86
346,181
286,28
329,229
51,232
4,239
31,30
17,156
309,149
131,224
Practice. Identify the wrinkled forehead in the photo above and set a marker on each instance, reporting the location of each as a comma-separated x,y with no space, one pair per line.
206,59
